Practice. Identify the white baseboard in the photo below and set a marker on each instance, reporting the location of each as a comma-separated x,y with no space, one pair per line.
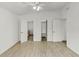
57,40
8,47
74,50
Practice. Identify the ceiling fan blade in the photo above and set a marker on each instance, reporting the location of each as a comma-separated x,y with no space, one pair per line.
33,3
28,3
41,4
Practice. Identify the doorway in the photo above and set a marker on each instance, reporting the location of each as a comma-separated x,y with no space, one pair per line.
30,30
44,30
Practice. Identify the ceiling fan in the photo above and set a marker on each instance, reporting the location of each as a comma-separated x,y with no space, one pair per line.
36,5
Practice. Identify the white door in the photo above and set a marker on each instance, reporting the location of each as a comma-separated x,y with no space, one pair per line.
23,31
44,28
30,26
49,30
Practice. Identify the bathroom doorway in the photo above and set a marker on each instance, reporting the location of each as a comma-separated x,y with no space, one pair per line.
44,30
30,30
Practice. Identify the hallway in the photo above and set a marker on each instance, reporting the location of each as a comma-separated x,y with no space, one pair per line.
39,49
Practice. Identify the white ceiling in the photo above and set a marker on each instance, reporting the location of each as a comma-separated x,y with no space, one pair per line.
21,8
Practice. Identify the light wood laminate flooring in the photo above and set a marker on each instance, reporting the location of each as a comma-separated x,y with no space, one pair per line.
39,49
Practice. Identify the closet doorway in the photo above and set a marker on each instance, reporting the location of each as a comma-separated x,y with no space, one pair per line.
30,30
44,30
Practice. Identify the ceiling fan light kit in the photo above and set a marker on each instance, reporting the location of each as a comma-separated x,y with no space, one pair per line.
36,5
37,8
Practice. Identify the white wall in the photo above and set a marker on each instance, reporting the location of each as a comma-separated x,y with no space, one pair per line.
73,27
8,30
38,17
